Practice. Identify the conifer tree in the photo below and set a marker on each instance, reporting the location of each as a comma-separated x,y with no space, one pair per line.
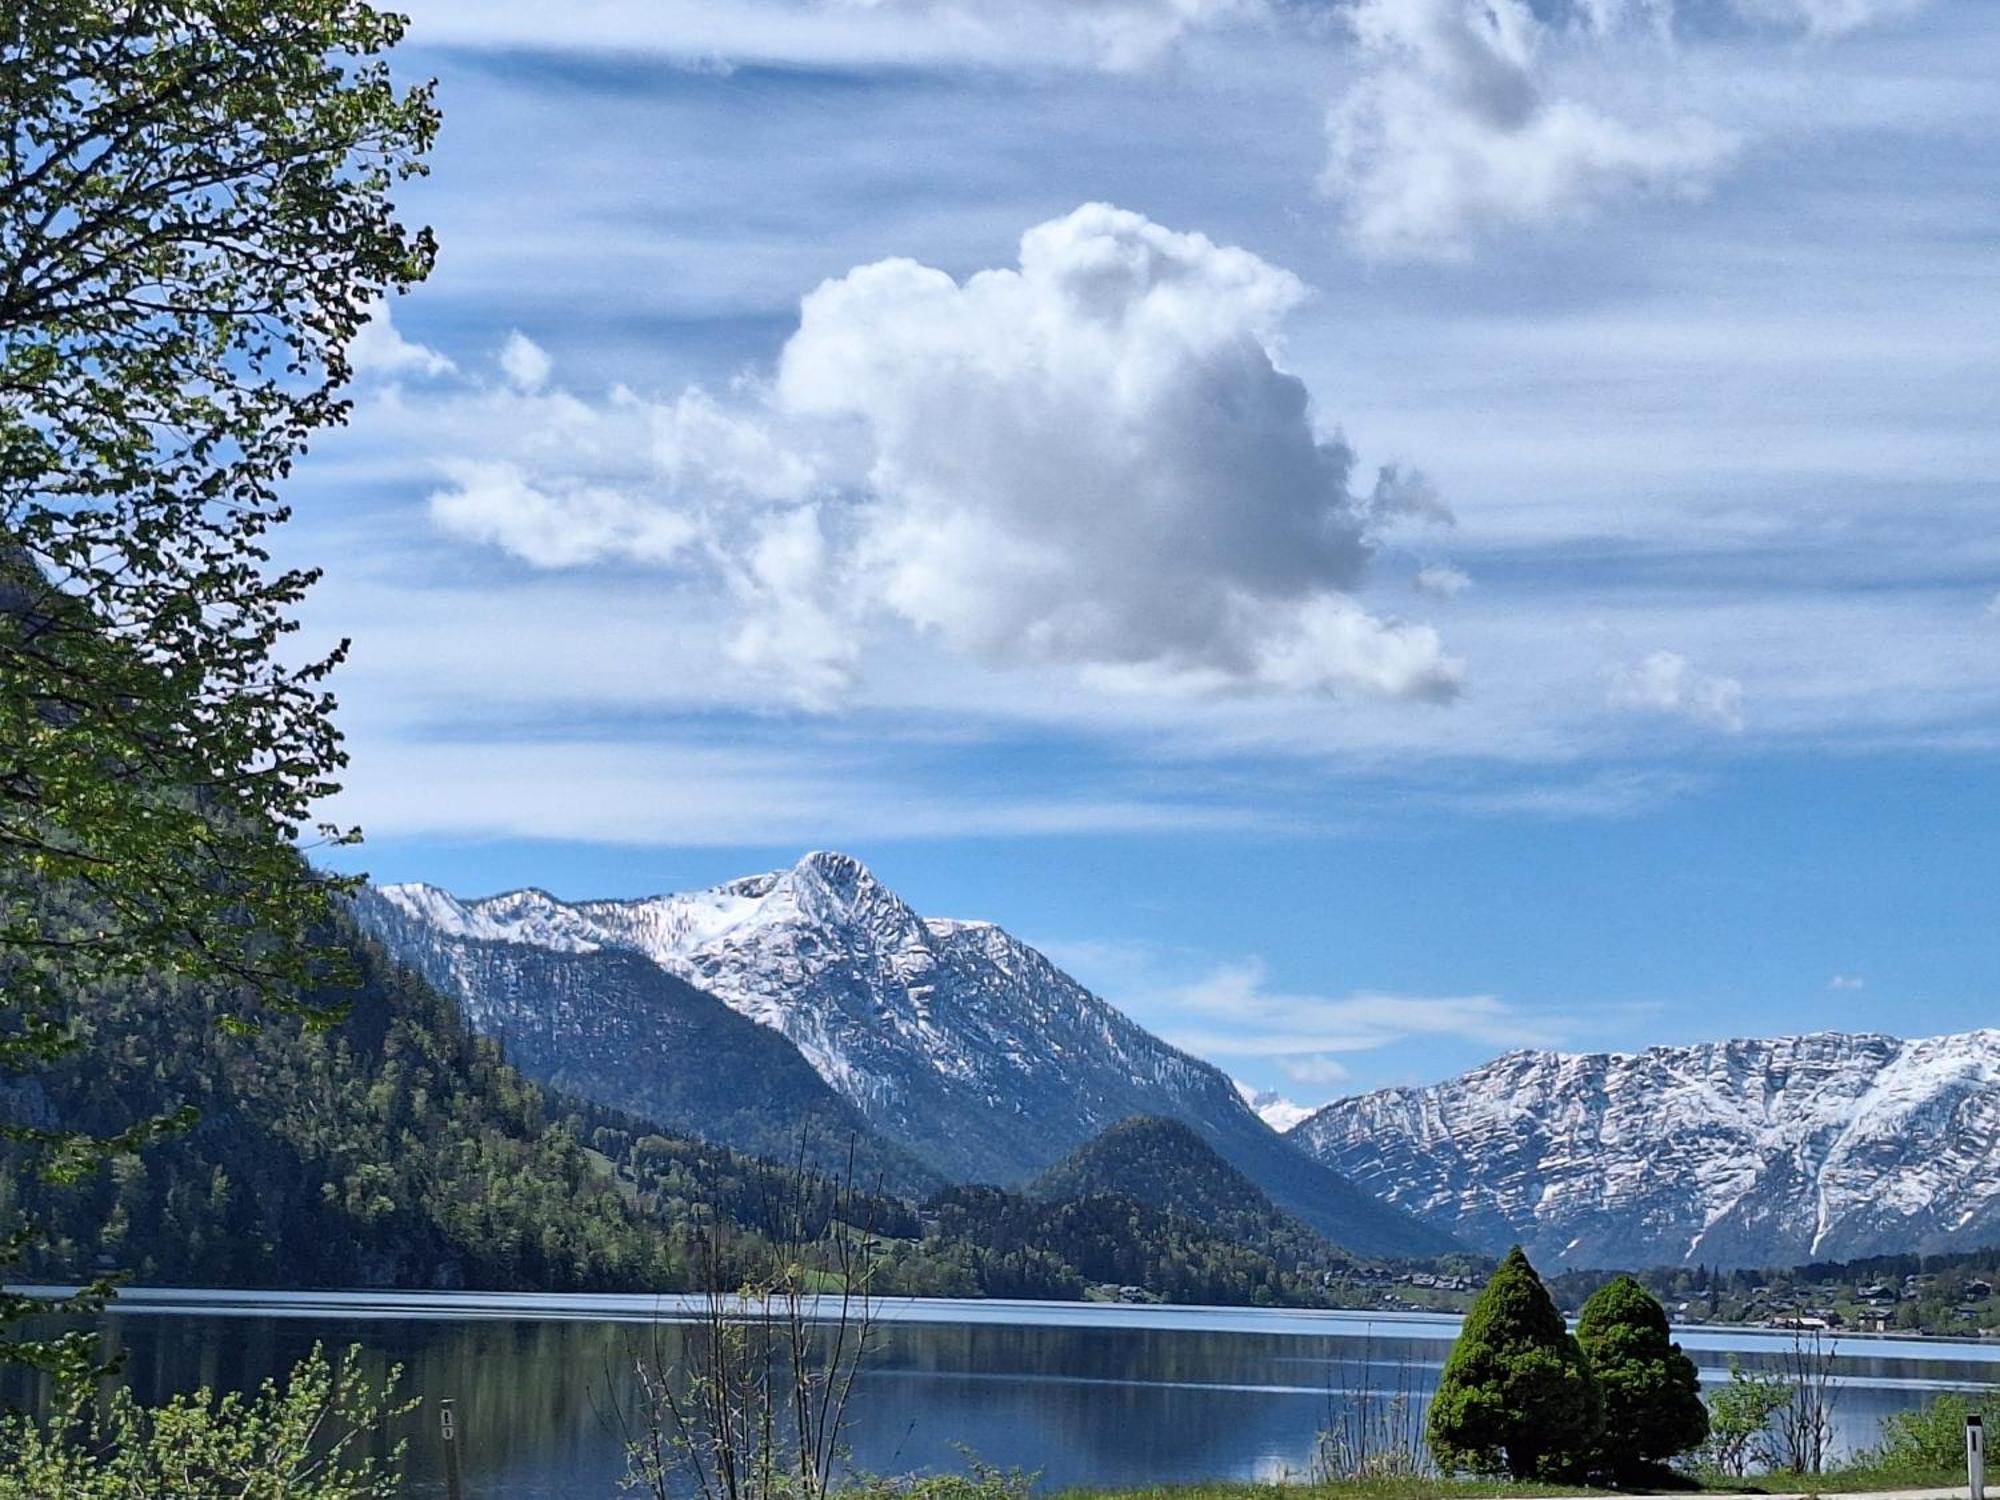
1517,1396
1652,1394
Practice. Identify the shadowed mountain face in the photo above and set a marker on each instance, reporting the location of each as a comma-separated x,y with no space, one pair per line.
610,1026
951,1039
1818,1147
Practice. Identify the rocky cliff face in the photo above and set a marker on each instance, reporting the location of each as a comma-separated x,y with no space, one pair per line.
1730,1153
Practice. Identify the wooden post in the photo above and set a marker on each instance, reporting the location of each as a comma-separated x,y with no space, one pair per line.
1975,1456
454,1486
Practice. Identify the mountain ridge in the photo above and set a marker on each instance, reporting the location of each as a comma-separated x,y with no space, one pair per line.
607,1025
954,1040
1739,1152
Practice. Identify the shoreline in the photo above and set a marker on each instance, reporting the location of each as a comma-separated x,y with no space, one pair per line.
629,1307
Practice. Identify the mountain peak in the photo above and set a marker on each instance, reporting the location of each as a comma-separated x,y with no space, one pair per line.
832,865
1272,1107
826,888
841,876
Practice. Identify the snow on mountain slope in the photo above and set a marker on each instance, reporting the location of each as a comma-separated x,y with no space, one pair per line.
1826,1146
606,1024
1272,1107
952,1038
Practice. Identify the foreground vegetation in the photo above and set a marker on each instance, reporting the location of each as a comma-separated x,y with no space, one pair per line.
304,1439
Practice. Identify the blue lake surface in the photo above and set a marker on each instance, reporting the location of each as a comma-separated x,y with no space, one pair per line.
1088,1394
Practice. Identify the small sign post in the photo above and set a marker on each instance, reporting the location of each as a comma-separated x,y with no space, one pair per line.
1975,1456
448,1431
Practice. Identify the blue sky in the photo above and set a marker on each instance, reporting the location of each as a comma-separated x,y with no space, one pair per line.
1375,532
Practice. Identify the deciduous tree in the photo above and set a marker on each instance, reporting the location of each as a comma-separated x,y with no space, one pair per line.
195,220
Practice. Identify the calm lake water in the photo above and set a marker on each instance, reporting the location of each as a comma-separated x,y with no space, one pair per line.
1087,1394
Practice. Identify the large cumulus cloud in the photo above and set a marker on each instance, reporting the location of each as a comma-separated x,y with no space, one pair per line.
1094,460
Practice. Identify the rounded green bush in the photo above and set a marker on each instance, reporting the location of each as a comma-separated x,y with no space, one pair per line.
1652,1394
1517,1396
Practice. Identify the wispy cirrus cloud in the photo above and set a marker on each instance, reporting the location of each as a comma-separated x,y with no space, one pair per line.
1114,35
1231,1012
1462,118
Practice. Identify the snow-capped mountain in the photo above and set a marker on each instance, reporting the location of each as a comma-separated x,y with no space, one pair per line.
1827,1146
952,1039
1272,1107
609,1025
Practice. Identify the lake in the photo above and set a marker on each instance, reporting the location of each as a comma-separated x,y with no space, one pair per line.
1086,1393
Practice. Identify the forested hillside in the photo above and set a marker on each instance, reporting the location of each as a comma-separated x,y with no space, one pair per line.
393,1148
1165,1165
1019,1246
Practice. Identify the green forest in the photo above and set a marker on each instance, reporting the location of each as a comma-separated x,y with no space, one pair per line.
394,1148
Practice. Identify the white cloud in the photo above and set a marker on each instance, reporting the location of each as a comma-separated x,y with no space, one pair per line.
701,447
1317,1069
1265,1023
1666,682
1847,982
1455,125
795,608
524,362
1993,608
1094,462
1116,35
564,526
1442,580
1096,458
380,349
